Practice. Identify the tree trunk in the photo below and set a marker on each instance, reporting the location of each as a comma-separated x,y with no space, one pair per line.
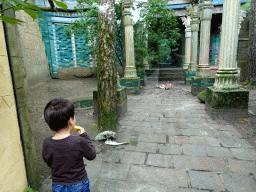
106,68
251,64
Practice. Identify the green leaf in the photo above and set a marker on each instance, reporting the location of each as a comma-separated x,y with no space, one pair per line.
247,5
17,8
39,14
31,13
10,20
60,4
32,6
19,2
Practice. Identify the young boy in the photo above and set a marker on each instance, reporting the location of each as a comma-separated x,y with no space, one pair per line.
64,152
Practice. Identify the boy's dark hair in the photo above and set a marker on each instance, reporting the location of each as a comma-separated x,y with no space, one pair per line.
58,112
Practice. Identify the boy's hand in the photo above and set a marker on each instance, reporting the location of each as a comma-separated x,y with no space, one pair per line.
80,130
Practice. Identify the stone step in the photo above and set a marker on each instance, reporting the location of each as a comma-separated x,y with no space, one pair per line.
166,74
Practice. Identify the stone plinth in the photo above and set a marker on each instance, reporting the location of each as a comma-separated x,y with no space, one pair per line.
189,75
199,84
121,101
142,77
132,85
227,103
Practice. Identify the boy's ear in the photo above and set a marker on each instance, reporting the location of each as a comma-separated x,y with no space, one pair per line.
71,121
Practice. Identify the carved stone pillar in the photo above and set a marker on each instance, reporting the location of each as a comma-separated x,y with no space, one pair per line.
187,22
130,79
191,71
203,69
194,42
130,70
203,78
226,98
226,77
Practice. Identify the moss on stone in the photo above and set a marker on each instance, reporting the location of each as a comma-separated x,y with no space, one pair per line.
219,98
202,96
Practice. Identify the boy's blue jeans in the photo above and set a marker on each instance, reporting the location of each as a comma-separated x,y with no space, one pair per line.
80,187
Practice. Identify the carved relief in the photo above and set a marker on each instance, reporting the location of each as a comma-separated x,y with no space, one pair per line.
187,22
241,18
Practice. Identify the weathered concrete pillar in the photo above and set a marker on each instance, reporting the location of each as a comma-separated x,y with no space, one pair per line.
203,78
13,170
194,43
191,72
203,69
226,98
130,79
226,77
187,22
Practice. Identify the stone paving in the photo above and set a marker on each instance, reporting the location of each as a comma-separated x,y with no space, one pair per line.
179,148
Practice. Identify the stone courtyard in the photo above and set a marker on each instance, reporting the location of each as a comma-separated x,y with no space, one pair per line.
173,144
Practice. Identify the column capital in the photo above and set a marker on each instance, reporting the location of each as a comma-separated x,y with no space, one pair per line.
127,6
206,10
187,22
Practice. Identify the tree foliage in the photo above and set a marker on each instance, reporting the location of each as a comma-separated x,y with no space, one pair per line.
247,5
87,26
156,32
16,5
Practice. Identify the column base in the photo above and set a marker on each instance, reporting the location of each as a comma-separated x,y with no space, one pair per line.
121,102
189,75
142,77
132,84
227,103
199,84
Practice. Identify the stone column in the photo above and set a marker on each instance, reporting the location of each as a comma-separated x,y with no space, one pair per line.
130,70
203,78
203,68
145,62
130,79
186,21
226,77
227,94
194,41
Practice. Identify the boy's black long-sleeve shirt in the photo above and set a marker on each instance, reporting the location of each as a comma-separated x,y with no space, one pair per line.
65,158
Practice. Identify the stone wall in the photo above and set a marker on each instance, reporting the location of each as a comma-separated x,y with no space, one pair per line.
35,62
13,174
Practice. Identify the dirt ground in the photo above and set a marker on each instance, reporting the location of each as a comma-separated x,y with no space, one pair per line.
44,91
247,126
